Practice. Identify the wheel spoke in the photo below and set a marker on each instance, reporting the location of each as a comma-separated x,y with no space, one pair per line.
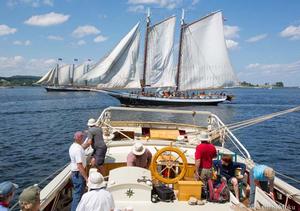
163,170
174,170
168,173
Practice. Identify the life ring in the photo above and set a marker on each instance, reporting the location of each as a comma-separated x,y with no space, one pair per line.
169,165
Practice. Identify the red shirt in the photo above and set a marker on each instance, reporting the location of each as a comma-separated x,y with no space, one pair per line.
205,152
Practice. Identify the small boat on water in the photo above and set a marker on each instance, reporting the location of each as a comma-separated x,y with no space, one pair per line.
173,162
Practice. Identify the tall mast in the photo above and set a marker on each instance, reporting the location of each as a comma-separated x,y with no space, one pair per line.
57,68
182,25
72,72
143,84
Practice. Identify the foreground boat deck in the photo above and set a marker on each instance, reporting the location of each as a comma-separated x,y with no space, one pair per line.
172,206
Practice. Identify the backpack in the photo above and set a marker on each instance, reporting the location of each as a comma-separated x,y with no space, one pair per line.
218,192
164,193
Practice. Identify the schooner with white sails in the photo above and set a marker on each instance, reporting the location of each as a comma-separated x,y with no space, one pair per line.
203,63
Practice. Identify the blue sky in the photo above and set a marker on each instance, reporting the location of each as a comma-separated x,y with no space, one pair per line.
263,36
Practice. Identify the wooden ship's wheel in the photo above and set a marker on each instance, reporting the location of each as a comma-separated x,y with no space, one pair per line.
169,165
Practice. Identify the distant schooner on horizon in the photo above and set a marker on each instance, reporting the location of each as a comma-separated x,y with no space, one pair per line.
203,63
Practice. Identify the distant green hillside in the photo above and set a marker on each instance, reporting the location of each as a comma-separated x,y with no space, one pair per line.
18,80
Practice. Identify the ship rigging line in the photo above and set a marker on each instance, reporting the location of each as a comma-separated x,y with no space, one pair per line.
256,120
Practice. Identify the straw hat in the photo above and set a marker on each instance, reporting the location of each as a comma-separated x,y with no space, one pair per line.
91,122
269,173
95,180
138,148
203,136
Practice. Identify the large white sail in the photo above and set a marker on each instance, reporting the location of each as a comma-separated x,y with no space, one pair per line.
78,73
160,70
204,58
119,68
51,79
64,75
46,77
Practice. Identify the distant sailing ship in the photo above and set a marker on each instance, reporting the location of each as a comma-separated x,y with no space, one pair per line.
203,63
64,78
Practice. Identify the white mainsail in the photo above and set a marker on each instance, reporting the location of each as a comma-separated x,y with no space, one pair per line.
64,75
78,73
204,58
160,71
46,77
119,69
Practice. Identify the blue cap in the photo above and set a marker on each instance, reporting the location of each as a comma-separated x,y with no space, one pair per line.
7,188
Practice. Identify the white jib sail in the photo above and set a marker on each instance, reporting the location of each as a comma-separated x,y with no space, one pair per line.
78,73
45,78
119,69
160,70
51,79
204,60
64,75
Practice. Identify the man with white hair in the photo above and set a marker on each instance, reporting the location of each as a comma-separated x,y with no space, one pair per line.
78,164
139,156
98,198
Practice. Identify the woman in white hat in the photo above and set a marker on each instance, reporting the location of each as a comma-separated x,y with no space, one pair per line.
98,198
139,156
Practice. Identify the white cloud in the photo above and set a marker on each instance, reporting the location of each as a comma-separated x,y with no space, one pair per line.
54,37
81,42
260,73
231,32
275,68
169,4
137,9
257,38
100,38
82,31
48,19
194,2
32,3
291,32
5,30
18,65
25,43
231,44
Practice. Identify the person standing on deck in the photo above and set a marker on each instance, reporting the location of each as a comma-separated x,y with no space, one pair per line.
98,198
7,192
78,164
139,156
205,152
262,177
95,139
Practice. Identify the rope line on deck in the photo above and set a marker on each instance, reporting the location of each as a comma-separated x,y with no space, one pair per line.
249,122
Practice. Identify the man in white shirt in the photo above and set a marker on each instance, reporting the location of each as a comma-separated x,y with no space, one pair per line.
98,198
78,164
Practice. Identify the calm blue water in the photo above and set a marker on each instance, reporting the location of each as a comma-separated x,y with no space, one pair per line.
36,128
